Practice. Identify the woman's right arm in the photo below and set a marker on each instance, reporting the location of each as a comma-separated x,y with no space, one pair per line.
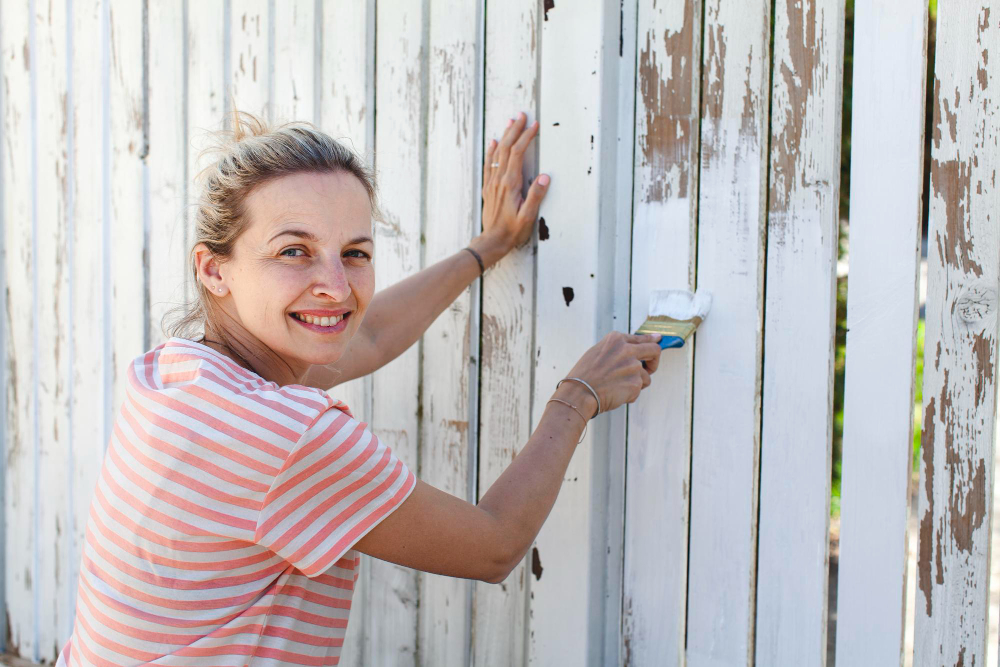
436,532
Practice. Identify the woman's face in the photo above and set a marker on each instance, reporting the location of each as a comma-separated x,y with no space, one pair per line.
301,275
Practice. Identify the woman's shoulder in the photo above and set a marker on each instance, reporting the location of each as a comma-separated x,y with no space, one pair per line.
190,369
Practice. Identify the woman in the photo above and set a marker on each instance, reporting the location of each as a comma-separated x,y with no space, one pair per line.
236,495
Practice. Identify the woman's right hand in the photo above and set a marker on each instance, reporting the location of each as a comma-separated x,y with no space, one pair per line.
615,367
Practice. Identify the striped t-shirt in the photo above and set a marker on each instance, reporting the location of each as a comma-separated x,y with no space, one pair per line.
221,527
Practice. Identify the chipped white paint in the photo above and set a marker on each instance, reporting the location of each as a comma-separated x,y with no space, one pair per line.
886,182
800,312
663,254
726,421
956,471
450,345
399,158
507,327
250,56
294,77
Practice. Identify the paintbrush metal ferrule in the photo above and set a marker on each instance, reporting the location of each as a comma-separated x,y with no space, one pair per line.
668,326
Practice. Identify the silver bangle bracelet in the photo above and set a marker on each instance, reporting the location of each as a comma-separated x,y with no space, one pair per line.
588,387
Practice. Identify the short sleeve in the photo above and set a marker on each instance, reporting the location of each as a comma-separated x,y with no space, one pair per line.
336,484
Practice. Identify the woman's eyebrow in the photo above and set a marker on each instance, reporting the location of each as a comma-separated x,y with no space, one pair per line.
301,233
360,239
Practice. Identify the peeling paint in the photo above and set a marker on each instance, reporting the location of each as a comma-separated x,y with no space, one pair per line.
536,563
927,521
543,230
567,294
950,182
549,4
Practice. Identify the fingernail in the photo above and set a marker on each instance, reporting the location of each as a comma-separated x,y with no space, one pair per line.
510,122
520,115
543,179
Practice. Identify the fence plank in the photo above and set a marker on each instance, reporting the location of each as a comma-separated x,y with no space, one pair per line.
961,341
52,318
167,165
566,598
511,74
295,61
90,255
346,95
400,59
886,181
449,372
727,375
129,300
802,238
21,438
250,62
663,254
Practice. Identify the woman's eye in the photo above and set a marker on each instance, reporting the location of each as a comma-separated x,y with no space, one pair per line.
358,253
284,253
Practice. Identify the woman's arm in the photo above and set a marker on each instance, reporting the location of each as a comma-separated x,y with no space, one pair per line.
399,315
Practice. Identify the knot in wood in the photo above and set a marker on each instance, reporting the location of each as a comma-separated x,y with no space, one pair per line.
976,303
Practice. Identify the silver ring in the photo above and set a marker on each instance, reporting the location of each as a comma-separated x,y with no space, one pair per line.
495,165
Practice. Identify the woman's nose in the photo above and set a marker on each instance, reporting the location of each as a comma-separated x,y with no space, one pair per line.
333,282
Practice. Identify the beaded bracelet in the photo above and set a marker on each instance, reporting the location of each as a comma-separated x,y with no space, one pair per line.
588,387
585,422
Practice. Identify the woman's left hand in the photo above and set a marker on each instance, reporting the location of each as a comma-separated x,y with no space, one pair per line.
509,216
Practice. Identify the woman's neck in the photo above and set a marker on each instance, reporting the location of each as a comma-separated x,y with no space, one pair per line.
252,355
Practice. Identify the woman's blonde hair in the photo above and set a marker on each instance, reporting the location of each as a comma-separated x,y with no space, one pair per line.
250,154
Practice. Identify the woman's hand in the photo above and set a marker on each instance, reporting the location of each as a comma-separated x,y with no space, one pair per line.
614,368
508,216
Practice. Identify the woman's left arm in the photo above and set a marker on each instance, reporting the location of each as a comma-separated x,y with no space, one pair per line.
399,315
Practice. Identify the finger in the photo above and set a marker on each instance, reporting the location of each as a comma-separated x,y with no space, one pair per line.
645,351
528,212
516,156
646,380
651,364
642,338
508,139
491,150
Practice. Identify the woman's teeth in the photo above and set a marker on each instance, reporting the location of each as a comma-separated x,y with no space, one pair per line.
321,321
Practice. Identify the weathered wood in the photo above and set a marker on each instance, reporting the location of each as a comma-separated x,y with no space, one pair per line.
727,375
167,166
566,601
887,132
129,268
51,314
295,61
21,437
89,344
450,359
961,342
400,133
346,100
251,69
511,72
663,253
800,312
208,51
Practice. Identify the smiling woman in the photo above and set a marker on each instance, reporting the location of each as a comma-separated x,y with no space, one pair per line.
236,494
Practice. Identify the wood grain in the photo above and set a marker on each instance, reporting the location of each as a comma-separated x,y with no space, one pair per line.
887,130
959,408
250,61
295,61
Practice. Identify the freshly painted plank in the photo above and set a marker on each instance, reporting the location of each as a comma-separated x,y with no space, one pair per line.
295,61
800,312
450,364
566,601
128,147
400,61
167,164
961,342
663,254
90,405
21,437
251,72
51,314
208,53
346,100
727,370
511,72
887,130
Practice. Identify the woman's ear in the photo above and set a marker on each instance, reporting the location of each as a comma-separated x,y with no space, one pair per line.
209,270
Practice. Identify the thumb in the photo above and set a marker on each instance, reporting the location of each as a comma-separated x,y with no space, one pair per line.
529,208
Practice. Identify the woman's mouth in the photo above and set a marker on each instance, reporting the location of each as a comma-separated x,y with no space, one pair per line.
334,324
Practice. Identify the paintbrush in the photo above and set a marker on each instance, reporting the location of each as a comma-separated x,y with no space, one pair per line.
675,314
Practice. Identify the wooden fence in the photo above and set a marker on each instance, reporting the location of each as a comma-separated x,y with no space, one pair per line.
690,143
